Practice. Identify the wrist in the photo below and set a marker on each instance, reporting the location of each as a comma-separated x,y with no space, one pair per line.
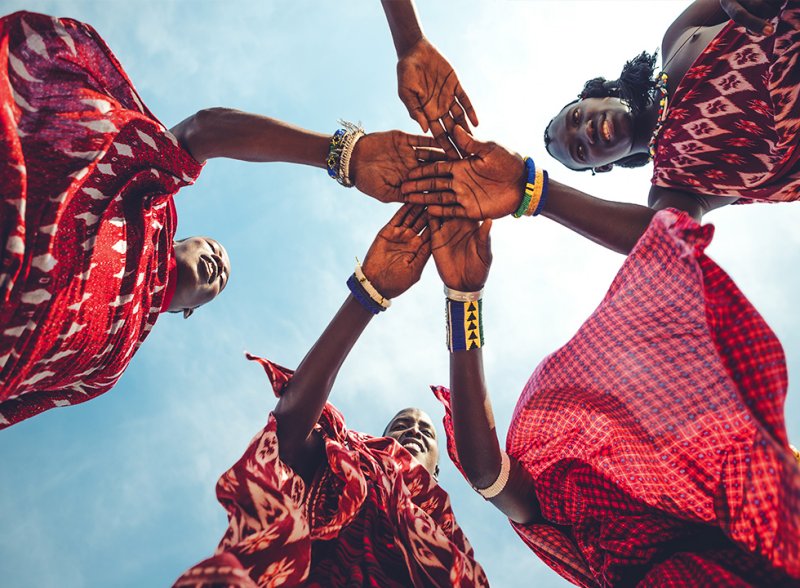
412,40
355,159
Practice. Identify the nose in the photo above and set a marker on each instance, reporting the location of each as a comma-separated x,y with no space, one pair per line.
589,131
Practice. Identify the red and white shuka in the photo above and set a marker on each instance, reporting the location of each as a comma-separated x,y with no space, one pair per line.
87,176
656,436
373,516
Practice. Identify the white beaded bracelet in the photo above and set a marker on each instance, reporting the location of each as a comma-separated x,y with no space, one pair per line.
353,134
459,296
370,289
501,481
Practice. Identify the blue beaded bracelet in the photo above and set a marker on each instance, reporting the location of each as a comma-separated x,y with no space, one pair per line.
464,325
362,296
543,198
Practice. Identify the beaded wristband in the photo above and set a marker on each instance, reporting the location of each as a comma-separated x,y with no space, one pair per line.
536,192
340,151
361,295
530,170
376,296
502,479
459,296
543,197
464,325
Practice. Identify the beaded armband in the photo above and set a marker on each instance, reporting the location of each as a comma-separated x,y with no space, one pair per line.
464,324
363,297
501,481
535,190
340,151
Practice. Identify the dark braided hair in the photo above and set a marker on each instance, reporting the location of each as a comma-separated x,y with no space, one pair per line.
636,87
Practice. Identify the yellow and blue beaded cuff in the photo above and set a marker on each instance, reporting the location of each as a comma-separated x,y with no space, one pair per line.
464,325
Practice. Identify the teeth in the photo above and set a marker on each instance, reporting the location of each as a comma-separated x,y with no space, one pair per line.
606,131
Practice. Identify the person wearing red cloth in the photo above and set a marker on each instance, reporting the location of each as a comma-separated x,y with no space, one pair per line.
87,217
726,131
313,503
651,449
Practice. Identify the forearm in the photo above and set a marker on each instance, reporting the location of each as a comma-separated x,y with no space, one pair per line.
476,439
301,404
615,225
225,132
403,23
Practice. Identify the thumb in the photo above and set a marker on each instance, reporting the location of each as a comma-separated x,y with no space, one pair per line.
464,141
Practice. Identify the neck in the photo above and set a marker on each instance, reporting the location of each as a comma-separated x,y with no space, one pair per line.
645,125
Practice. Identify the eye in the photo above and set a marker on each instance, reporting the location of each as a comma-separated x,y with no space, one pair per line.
580,152
428,433
576,116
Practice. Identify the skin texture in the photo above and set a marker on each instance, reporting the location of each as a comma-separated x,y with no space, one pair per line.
426,82
393,264
414,430
203,272
462,253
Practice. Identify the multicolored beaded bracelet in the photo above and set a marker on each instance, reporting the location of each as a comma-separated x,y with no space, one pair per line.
543,197
340,151
464,324
362,296
530,169
536,193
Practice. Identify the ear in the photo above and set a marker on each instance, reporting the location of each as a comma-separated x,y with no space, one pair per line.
187,312
601,169
436,473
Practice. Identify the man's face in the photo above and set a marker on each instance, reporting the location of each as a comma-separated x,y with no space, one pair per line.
203,272
414,430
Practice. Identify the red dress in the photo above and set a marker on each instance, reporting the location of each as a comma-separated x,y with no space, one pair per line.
87,176
733,124
373,516
656,435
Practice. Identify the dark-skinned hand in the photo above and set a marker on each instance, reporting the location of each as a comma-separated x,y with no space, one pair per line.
430,90
754,15
398,254
462,251
487,183
381,161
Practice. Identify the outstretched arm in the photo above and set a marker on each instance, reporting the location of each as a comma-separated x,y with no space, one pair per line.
489,183
462,252
426,82
393,264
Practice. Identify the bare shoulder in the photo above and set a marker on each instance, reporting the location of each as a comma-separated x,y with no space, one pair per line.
696,205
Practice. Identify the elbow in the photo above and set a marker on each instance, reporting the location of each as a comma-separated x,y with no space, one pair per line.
196,133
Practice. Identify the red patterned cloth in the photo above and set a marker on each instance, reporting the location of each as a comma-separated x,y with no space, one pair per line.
733,123
373,516
656,436
87,176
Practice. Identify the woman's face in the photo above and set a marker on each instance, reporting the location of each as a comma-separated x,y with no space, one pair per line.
203,271
591,133
414,430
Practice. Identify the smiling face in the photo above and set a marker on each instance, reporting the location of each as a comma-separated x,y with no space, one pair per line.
203,272
592,133
414,430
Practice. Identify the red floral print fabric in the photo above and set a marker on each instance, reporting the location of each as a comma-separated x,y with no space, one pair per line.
732,124
656,435
373,516
86,215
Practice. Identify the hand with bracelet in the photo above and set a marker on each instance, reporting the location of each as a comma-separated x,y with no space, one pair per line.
463,256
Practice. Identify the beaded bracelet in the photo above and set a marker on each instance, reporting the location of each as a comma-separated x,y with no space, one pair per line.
340,151
502,479
543,197
464,324
530,170
376,296
360,294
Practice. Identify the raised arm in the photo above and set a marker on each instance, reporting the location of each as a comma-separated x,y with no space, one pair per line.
378,165
489,183
393,264
426,82
462,252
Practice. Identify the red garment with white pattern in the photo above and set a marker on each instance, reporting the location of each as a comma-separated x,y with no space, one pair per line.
373,516
656,436
87,176
733,123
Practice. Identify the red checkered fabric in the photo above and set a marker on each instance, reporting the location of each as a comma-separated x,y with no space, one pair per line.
732,123
656,437
87,176
373,516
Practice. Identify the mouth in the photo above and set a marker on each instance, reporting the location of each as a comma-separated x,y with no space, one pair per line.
607,129
414,444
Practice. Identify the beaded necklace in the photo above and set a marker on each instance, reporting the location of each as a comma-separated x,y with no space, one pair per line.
663,102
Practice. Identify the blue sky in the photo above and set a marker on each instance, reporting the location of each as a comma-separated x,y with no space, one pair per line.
120,491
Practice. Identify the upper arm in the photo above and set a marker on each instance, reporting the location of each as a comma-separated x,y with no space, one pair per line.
696,205
699,13
518,499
